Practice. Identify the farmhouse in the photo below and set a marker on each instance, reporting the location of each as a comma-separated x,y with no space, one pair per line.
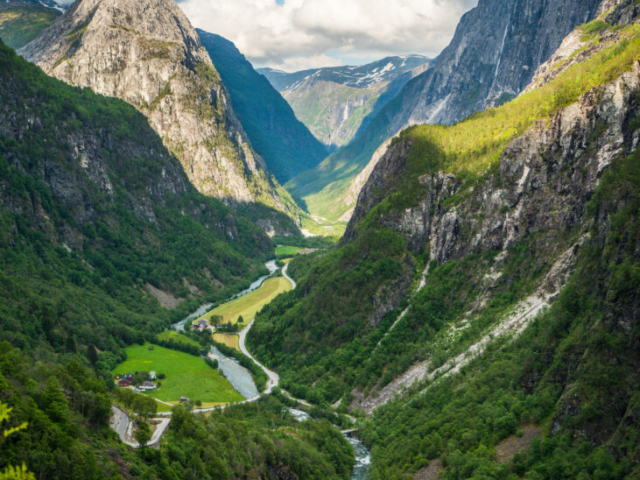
147,386
123,382
152,375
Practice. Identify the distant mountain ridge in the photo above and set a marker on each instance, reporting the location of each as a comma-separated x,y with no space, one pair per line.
337,103
362,76
287,146
23,20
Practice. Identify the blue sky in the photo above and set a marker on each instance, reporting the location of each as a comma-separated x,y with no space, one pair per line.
297,34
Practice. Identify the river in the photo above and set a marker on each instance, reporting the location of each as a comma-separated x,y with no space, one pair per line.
238,376
271,266
242,381
363,457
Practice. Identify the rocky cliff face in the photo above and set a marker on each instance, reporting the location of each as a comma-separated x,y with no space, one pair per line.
539,190
496,50
493,56
287,146
87,174
337,102
543,181
148,54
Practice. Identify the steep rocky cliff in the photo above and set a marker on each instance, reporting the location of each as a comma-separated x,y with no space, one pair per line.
86,174
287,146
495,51
148,54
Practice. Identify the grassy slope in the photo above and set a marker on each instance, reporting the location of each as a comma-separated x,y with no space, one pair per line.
19,24
173,336
284,250
187,375
228,339
251,303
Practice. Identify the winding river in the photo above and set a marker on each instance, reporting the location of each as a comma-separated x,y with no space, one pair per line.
241,379
202,309
363,457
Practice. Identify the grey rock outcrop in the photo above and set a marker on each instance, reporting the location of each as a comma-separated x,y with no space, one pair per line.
148,54
544,180
497,48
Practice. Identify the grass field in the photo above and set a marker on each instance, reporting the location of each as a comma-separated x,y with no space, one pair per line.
172,335
251,303
229,339
186,375
283,250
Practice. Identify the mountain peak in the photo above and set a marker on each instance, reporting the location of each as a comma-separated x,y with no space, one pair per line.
148,54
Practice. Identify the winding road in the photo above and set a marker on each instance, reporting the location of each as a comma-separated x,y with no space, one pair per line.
121,423
274,378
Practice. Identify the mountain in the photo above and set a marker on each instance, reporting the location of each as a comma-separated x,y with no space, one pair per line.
337,102
97,213
495,51
148,54
285,144
22,21
482,307
98,218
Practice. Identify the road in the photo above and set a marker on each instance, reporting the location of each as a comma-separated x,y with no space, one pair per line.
274,378
123,426
291,280
121,423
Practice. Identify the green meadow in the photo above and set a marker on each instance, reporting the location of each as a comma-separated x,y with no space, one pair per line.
284,250
186,375
251,303
173,336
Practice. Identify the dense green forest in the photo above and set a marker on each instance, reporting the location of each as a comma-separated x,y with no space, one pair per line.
94,211
575,372
311,331
81,246
67,407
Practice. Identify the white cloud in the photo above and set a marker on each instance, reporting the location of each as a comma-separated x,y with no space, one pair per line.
313,33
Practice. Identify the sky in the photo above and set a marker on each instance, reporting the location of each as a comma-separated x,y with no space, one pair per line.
294,35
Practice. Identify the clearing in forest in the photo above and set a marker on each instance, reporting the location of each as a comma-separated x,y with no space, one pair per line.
186,375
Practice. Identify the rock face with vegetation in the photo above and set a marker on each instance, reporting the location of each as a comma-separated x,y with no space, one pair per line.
488,281
22,21
148,54
337,103
287,146
90,195
496,50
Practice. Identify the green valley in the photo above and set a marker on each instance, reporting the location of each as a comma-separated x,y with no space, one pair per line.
20,23
460,304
